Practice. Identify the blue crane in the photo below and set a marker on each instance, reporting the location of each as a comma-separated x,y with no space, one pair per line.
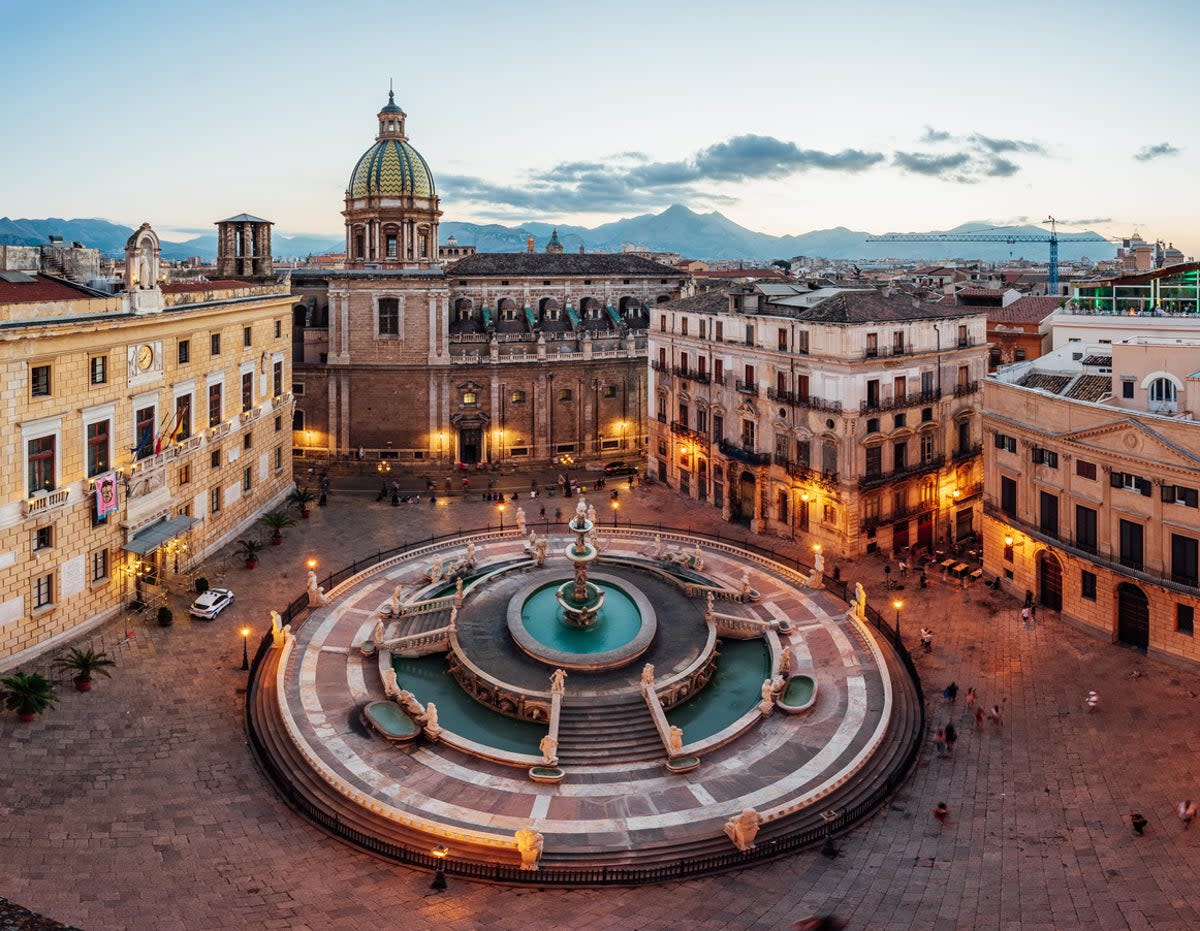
984,236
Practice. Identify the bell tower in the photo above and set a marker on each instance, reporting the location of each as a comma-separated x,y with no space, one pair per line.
244,247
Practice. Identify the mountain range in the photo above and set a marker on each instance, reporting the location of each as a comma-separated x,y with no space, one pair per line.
676,229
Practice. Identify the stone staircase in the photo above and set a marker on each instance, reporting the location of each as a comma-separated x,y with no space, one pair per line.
618,731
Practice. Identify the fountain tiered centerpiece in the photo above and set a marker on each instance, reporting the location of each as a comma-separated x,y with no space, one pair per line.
580,599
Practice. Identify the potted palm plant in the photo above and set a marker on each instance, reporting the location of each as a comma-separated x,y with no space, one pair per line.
277,520
165,616
303,498
248,550
85,663
28,694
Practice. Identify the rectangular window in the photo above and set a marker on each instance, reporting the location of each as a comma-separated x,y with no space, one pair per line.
1131,544
183,417
185,473
927,447
804,453
39,381
1085,469
1085,528
702,420
278,424
749,373
517,397
214,344
802,387
683,326
247,390
214,500
873,392
718,427
900,456
1087,585
899,421
1048,513
1008,496
389,316
247,474
99,565
897,342
40,455
1185,619
1007,443
97,448
247,336
144,431
214,459
782,340
802,343
1183,559
278,329
662,323
927,383
749,334
278,459
1046,457
183,351
1126,389
748,434
703,329
720,330
962,336
248,439
43,538
214,404
683,414
608,391
872,345
1131,482
277,379
43,591
874,460
565,394
98,370
1179,494
900,389
719,371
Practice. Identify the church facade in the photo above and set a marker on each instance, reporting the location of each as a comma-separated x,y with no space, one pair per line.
505,357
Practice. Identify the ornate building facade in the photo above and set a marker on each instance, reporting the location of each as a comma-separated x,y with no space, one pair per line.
144,430
845,417
504,357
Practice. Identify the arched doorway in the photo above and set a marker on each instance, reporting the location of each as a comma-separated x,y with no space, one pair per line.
1133,616
1049,581
742,499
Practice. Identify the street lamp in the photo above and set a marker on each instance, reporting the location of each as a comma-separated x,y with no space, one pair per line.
897,604
615,505
311,564
500,508
246,648
440,852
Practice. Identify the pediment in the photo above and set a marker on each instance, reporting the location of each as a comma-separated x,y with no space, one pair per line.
748,409
1131,439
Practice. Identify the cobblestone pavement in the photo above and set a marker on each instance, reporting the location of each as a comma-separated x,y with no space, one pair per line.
137,805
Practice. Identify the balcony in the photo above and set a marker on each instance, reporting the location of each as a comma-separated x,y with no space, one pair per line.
888,352
876,479
691,375
746,388
804,473
804,400
659,366
44,501
680,429
744,454
903,401
961,391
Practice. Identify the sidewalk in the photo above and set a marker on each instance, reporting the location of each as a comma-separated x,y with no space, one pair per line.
137,805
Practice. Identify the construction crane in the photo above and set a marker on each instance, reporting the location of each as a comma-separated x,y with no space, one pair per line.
986,236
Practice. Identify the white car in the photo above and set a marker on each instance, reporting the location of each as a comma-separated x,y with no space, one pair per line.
211,603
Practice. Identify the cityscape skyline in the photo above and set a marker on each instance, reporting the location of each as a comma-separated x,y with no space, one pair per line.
819,124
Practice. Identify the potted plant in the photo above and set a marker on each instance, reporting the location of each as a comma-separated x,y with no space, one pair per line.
277,520
84,663
303,498
165,617
248,550
28,694
201,585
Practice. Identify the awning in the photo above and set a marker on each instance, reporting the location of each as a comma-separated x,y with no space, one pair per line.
154,536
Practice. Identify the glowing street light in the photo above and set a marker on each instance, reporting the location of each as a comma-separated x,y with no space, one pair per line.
897,604
615,505
500,508
439,853
245,648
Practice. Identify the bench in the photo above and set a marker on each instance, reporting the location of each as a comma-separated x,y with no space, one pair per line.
799,695
389,720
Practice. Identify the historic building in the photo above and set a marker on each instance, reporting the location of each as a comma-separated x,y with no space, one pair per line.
848,417
504,356
1093,481
143,431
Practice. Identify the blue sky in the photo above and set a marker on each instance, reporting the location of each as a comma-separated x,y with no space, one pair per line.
784,116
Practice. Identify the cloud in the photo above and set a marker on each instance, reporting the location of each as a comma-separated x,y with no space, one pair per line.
1086,221
995,146
935,135
631,181
933,166
1001,168
1150,152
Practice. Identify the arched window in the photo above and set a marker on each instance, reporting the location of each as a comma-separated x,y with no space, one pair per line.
1162,390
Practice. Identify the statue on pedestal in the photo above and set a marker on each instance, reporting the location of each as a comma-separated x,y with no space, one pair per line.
471,555
408,701
316,594
521,521
529,845
708,606
785,661
396,601
279,630
435,569
697,559
860,602
458,595
648,674
431,722
743,829
390,687
377,635
549,747
581,510
539,552
675,739
558,681
658,547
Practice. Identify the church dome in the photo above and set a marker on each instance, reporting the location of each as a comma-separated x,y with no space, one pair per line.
391,167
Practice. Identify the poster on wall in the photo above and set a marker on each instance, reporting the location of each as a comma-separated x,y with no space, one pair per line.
106,494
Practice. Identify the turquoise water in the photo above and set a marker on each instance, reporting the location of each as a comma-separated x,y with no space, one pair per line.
427,679
734,690
618,624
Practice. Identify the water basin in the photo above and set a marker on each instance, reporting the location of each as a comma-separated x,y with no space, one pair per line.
735,689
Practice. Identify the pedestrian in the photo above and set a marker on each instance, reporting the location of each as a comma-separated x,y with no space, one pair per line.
558,514
970,697
939,741
1033,615
1091,701
1025,615
1139,822
1187,811
924,579
927,639
542,513
903,569
837,573
941,812
950,693
951,737
996,715
1028,598
979,717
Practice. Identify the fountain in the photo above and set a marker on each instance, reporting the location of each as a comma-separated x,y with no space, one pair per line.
580,600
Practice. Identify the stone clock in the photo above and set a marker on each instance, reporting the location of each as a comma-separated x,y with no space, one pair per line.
145,359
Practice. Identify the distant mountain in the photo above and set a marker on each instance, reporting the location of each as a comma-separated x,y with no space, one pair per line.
676,229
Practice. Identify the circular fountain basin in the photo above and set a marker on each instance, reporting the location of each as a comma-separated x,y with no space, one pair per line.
623,631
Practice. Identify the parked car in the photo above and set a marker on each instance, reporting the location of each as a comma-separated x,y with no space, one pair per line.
620,468
211,603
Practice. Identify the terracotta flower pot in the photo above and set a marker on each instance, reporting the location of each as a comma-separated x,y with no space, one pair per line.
26,715
83,683
277,539
251,563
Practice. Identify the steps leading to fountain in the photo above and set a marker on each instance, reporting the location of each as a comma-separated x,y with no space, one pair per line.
619,731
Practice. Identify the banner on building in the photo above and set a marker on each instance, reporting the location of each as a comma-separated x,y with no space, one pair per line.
106,494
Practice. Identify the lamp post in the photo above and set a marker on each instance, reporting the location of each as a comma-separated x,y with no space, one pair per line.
440,852
311,563
615,505
246,648
897,604
500,508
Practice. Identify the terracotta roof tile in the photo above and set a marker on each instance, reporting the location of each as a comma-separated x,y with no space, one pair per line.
1028,309
41,289
1090,388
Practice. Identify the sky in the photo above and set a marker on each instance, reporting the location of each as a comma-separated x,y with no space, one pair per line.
785,116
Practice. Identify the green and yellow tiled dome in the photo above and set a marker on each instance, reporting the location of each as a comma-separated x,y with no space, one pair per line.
391,167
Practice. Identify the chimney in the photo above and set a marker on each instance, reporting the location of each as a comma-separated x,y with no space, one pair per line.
529,244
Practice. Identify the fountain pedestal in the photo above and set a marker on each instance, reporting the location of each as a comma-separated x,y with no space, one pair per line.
579,599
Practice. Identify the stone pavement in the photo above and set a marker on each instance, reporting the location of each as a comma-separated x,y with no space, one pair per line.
137,805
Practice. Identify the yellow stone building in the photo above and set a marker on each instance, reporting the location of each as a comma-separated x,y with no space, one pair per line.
168,403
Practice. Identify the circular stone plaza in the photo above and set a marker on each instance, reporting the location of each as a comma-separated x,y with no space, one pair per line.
595,705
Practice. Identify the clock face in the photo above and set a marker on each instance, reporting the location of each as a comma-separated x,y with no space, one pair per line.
145,357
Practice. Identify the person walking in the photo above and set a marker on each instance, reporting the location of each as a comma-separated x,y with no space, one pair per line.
996,715
1091,701
970,697
979,716
1186,812
950,693
939,741
1139,822
1025,615
927,639
941,812
951,738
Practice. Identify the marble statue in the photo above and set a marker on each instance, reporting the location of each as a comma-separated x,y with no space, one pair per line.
377,635
458,595
471,554
658,547
396,601
529,844
785,661
549,747
435,569
860,602
390,687
532,544
819,564
454,616
675,739
558,681
777,686
743,829
708,606
431,721
521,521
697,559
591,514
408,701
316,594
581,510
648,674
768,690
279,630
539,552
745,581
